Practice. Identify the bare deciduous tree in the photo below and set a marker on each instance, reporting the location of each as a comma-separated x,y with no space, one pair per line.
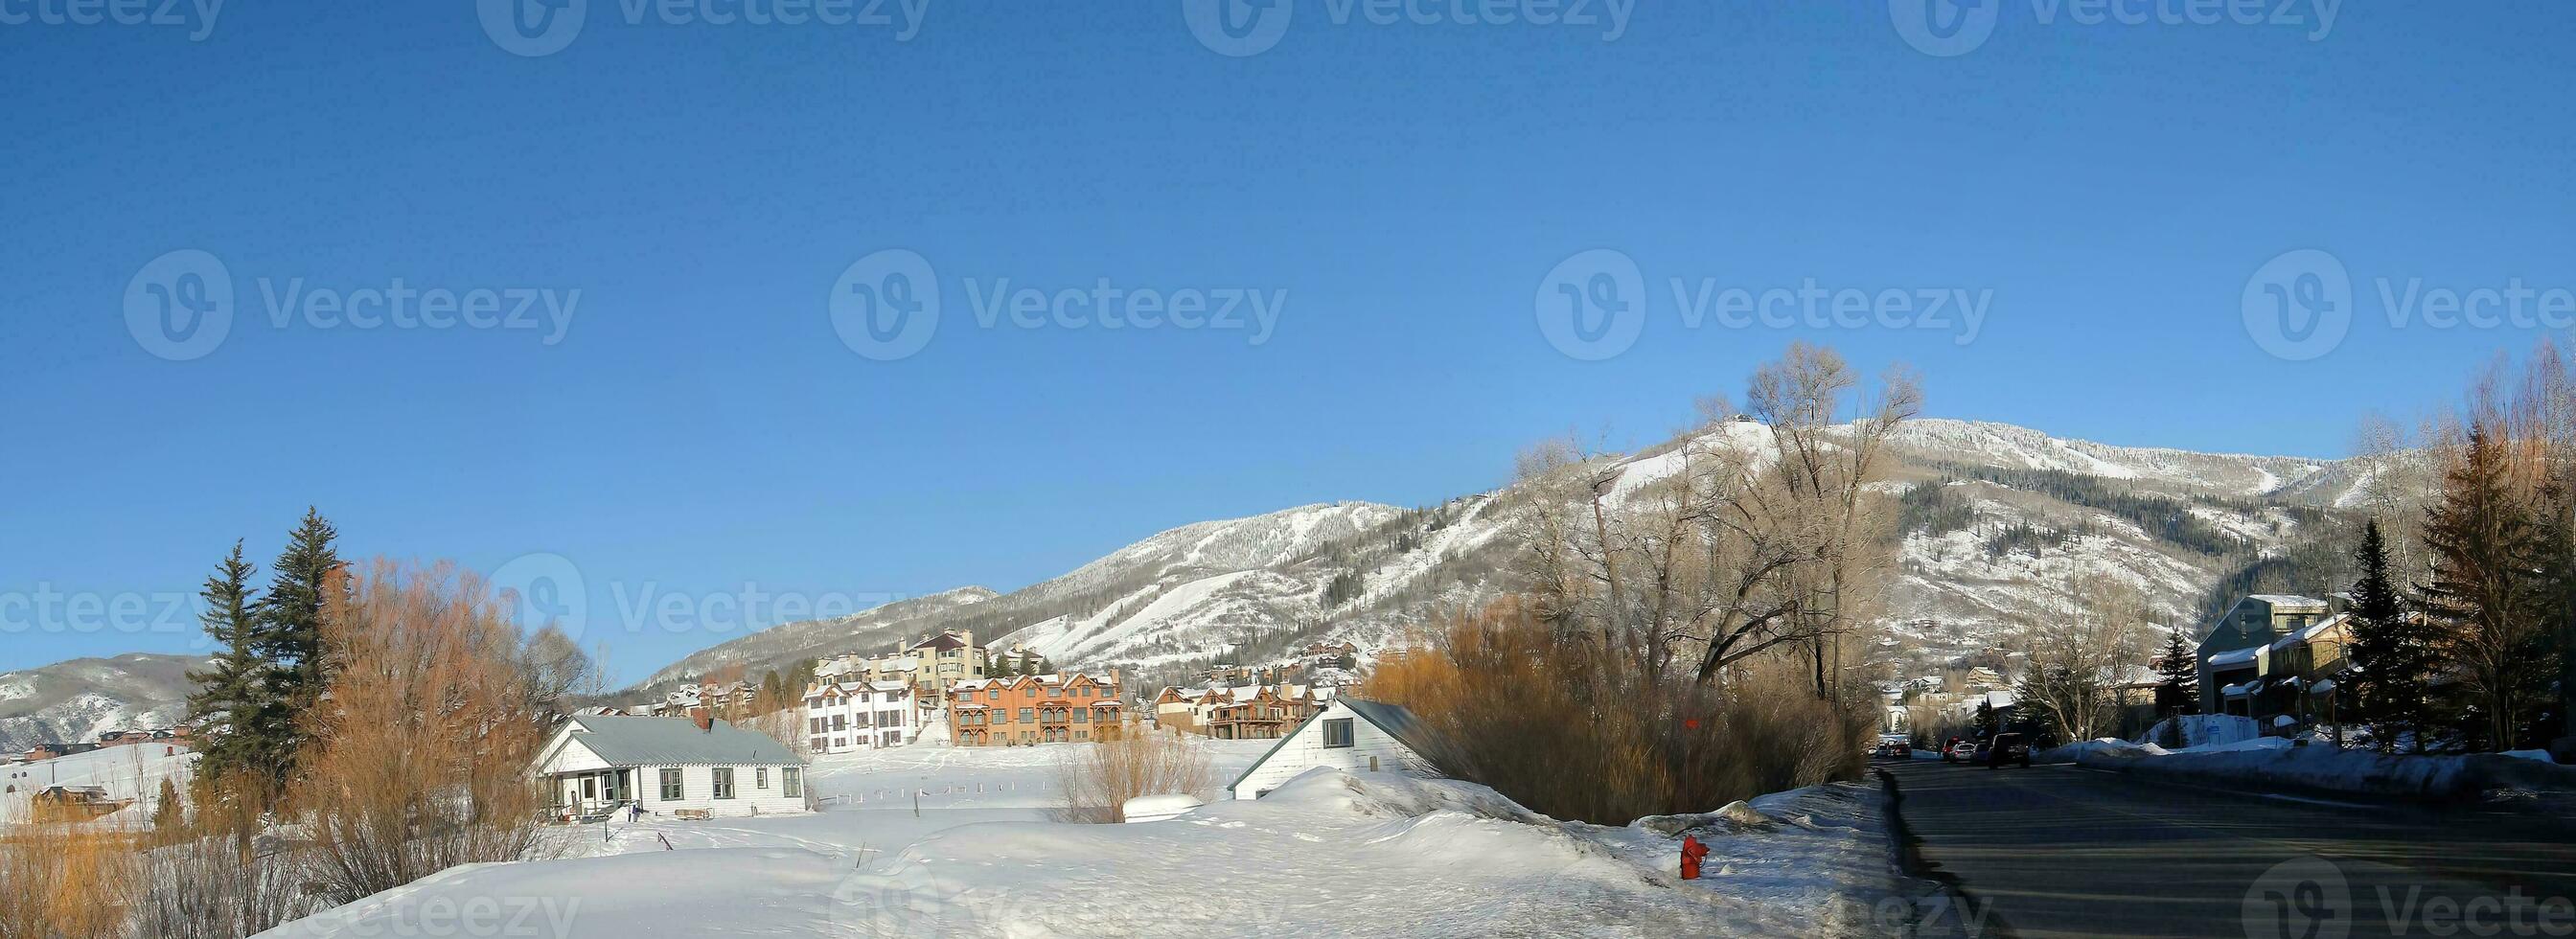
2080,650
424,746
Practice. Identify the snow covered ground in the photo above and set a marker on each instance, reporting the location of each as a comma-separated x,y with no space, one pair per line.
1331,854
130,773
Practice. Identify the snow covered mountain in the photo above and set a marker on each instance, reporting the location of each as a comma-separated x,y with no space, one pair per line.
869,630
76,701
1994,517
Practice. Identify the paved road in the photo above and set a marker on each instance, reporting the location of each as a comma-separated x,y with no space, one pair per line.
2060,851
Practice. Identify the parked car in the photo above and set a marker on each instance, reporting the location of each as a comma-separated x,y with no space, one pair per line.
1957,750
1895,749
2006,748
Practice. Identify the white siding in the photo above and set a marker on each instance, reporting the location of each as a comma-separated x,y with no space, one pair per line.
699,785
566,755
1305,750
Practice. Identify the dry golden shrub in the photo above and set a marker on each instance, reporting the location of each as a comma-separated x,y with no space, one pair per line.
1576,732
1098,779
422,750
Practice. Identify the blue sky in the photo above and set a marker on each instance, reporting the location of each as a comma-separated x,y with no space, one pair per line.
701,431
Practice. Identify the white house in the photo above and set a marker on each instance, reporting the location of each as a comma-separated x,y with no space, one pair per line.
670,766
1349,734
846,717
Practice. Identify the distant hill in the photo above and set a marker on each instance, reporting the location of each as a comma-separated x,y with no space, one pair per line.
1995,515
76,701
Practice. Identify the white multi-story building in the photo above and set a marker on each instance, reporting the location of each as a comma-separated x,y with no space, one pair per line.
845,717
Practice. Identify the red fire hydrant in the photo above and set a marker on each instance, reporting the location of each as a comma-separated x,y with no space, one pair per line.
1692,851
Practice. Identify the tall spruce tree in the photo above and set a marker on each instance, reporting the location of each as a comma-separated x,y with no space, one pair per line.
232,707
2178,691
2392,657
291,617
2489,597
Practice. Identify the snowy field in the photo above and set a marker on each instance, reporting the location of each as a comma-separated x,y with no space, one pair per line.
129,772
1332,854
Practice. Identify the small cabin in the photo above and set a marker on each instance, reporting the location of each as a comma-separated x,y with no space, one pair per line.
695,767
1349,734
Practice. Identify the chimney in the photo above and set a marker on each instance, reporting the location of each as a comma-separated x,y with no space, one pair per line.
706,721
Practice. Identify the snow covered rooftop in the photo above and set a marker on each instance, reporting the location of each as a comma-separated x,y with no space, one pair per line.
665,741
2288,599
2236,657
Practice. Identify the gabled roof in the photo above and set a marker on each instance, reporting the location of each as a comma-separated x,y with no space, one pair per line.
664,741
1394,720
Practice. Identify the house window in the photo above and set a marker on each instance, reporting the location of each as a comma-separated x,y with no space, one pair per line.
672,789
1028,714
792,781
894,737
1082,715
724,782
760,778
1337,732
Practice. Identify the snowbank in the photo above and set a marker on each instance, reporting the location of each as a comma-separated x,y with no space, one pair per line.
1330,853
2200,730
1381,854
2280,762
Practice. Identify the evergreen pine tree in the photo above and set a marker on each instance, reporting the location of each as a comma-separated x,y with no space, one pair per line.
2179,667
2391,658
290,632
2489,598
169,812
231,706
